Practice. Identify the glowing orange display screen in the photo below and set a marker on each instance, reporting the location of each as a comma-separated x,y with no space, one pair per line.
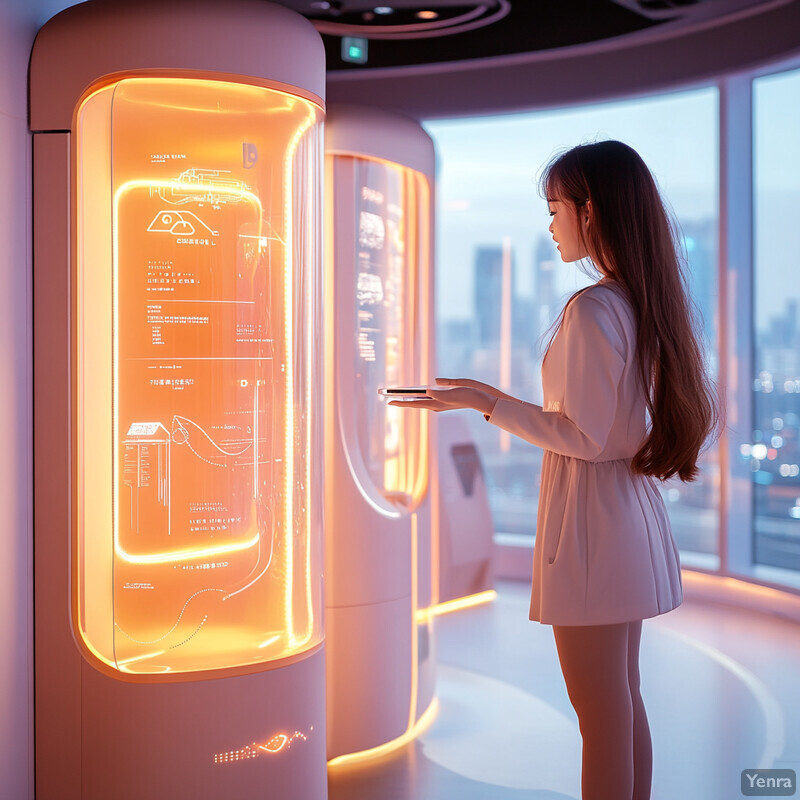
203,374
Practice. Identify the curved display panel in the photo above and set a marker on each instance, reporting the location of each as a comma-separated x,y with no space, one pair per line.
197,219
388,444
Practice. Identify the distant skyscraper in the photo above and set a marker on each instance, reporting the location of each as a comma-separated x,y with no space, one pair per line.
700,241
546,294
456,343
488,297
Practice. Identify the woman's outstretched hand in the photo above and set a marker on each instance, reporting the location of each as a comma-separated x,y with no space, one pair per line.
484,387
455,393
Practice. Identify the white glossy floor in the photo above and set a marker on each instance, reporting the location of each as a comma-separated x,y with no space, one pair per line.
721,685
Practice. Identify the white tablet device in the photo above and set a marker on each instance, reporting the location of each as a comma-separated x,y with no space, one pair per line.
403,392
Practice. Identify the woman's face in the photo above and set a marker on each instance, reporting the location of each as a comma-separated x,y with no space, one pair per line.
566,229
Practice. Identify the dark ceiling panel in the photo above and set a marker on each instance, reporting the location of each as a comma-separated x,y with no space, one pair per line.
656,60
530,25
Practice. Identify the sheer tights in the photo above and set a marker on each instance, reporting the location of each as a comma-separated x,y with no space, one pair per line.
600,664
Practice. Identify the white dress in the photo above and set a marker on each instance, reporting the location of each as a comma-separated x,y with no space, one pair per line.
604,549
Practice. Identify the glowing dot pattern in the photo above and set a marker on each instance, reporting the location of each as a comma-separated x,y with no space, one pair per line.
277,744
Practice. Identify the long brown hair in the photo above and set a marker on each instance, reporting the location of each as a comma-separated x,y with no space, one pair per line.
633,240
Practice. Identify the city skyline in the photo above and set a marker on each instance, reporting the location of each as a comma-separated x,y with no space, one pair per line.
488,204
488,170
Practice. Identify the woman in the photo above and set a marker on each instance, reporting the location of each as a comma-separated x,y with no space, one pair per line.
626,401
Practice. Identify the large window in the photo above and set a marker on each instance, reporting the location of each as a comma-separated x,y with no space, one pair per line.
501,284
774,454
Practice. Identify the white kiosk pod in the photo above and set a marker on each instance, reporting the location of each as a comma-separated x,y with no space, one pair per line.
378,494
178,539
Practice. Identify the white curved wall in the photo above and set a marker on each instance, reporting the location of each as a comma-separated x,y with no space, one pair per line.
19,22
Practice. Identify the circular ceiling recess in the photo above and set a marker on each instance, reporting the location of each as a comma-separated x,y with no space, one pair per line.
403,19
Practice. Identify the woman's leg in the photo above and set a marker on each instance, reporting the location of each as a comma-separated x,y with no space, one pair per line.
642,744
595,663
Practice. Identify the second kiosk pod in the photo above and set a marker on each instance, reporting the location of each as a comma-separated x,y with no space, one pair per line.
379,501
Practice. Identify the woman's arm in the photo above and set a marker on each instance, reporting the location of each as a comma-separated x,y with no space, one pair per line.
594,360
484,387
550,430
594,357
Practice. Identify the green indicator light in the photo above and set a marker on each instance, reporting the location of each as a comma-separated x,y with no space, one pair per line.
354,49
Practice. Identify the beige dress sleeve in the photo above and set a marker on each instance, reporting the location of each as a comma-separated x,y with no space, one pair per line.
576,421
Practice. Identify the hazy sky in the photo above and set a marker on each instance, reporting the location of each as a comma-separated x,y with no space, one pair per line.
488,170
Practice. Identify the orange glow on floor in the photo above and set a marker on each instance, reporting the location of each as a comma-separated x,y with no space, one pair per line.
746,592
456,605
423,723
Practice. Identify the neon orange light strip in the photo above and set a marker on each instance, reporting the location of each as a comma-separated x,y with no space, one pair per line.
505,333
288,530
314,261
424,722
412,711
460,603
